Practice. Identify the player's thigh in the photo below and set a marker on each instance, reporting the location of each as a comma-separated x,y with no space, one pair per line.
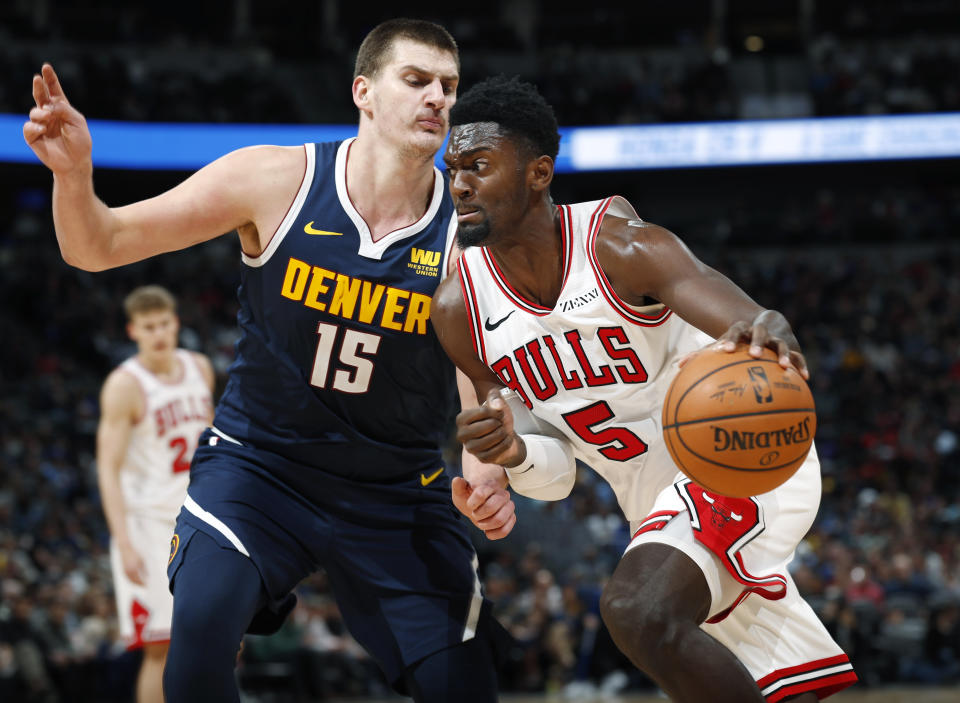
738,543
654,584
754,627
216,589
406,589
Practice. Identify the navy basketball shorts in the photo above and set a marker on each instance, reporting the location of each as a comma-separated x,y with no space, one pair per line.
397,555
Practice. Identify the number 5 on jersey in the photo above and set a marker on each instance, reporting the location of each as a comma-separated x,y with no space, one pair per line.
356,350
617,443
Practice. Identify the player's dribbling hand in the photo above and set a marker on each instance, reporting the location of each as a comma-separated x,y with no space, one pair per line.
487,432
487,505
56,131
759,335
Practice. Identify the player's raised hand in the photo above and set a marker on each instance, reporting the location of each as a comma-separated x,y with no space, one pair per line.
56,131
487,432
487,505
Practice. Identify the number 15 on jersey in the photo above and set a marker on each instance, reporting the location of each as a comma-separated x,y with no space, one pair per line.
354,351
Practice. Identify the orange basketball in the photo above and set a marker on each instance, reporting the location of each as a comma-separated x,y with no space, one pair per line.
737,425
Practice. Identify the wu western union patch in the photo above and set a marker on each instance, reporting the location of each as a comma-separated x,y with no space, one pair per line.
424,261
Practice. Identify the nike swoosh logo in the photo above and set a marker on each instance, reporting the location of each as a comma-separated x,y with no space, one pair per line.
491,326
308,228
427,480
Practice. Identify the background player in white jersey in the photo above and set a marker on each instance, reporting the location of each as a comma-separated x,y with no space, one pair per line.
153,408
584,311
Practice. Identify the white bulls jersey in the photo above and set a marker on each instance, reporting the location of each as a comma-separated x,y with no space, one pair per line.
155,470
594,367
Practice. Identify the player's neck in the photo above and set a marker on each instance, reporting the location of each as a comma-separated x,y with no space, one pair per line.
389,191
165,366
532,261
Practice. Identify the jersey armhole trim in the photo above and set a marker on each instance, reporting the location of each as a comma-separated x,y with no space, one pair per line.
623,309
447,266
473,312
310,151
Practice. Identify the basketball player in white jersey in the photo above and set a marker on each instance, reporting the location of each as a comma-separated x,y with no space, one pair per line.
153,408
584,312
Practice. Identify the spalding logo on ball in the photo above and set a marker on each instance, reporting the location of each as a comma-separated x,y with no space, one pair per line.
737,425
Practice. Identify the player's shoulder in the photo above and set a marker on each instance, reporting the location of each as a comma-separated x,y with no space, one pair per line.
121,389
633,237
448,298
269,156
121,377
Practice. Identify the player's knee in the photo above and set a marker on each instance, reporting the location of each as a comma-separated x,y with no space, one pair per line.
640,626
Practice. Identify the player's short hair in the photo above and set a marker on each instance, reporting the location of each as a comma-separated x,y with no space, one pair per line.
516,106
375,49
148,299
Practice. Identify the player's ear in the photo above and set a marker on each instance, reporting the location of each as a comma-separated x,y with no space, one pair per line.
361,93
540,173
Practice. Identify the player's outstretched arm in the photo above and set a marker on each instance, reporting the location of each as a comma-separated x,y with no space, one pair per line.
249,186
645,260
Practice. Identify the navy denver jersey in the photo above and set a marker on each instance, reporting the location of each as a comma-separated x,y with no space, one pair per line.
337,366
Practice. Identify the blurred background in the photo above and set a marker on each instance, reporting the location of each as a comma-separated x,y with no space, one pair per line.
861,255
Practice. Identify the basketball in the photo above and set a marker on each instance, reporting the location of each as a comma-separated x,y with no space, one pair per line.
737,425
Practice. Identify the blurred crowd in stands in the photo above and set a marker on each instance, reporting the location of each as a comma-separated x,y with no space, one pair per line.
881,565
292,62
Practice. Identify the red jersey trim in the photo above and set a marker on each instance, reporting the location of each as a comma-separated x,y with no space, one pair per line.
473,312
139,644
512,295
622,308
654,521
822,676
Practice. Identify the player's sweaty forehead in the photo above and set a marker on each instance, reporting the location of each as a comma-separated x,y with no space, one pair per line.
472,137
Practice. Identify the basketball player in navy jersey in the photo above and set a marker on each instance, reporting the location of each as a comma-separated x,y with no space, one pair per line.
584,312
325,445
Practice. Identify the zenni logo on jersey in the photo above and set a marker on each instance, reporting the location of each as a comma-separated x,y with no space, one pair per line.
424,262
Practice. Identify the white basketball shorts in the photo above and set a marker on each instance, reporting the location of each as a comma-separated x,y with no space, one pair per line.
743,547
144,612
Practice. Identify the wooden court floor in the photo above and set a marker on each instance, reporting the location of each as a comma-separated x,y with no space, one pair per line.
854,695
